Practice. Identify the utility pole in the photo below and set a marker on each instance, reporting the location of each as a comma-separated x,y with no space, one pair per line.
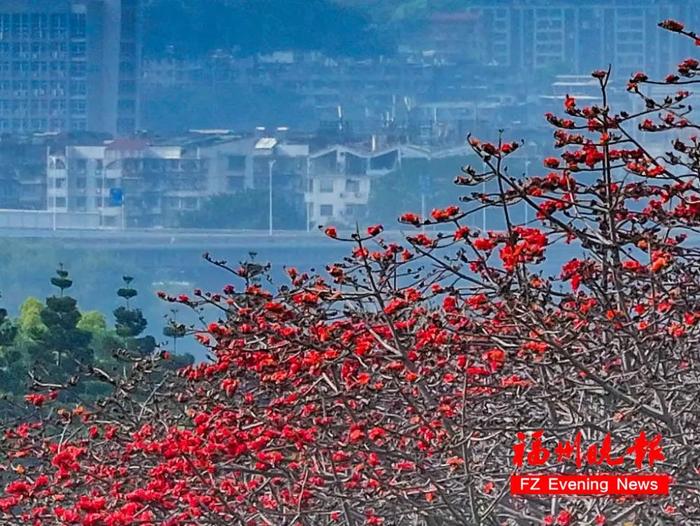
527,175
269,184
102,195
306,190
483,191
425,184
48,162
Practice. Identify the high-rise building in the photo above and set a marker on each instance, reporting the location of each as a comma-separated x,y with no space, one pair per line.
69,65
574,36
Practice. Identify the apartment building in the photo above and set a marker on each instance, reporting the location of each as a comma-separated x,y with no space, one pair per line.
582,35
128,182
70,65
250,162
340,180
22,174
135,183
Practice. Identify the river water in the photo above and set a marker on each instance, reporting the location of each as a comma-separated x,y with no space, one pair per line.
26,266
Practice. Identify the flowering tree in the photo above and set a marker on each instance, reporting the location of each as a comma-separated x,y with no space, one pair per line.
392,390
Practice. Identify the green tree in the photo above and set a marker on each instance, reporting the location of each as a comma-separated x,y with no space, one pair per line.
30,324
8,330
195,27
174,329
247,209
130,322
11,373
401,190
64,349
103,340
93,322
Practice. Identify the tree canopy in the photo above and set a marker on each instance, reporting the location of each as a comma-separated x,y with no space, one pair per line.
243,210
195,27
407,383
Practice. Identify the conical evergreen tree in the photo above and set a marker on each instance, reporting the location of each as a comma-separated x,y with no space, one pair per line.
8,330
12,371
174,329
130,322
65,349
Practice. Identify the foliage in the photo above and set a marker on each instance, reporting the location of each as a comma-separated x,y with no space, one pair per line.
55,344
237,104
29,321
130,322
9,359
402,189
195,27
243,210
63,348
8,331
391,390
93,322
403,14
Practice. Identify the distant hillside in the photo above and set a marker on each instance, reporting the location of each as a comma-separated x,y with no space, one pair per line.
389,13
194,27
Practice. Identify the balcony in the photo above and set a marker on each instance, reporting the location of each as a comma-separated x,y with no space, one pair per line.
354,195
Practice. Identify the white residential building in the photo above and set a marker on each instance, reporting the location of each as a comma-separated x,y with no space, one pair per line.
340,180
128,182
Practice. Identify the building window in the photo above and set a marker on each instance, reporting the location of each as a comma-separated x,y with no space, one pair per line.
81,203
81,183
78,88
127,67
126,125
78,25
326,210
127,49
126,105
236,162
326,186
356,211
235,183
77,106
127,86
352,185
77,49
77,70
60,202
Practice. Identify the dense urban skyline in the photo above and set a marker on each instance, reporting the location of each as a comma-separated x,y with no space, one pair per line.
130,114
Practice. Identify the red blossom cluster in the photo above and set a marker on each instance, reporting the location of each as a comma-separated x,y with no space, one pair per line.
389,389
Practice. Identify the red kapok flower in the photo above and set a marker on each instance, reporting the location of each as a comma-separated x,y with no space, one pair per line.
551,162
35,399
672,25
375,230
444,214
484,243
509,147
569,103
462,233
411,218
